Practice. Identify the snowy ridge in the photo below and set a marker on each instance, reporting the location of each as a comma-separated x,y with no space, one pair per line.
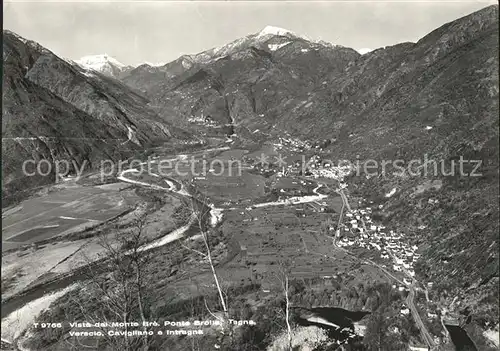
277,31
262,36
364,51
101,63
274,47
97,62
271,30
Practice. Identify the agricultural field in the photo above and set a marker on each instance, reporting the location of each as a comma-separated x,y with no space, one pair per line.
66,208
60,231
271,237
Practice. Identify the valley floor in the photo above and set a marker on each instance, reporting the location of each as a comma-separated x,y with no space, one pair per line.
262,222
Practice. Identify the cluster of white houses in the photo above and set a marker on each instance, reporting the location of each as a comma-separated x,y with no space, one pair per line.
292,144
360,231
328,171
319,168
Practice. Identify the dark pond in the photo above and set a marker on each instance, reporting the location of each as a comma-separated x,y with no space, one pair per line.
460,339
345,319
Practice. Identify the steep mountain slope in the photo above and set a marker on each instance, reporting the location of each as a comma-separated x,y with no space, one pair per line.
55,111
437,98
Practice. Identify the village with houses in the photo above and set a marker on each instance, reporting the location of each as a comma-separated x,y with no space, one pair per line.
358,228
390,244
293,182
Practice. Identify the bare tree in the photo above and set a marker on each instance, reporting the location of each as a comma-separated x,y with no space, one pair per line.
201,209
137,258
282,275
284,278
119,294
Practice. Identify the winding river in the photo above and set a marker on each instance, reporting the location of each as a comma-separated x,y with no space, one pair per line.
63,281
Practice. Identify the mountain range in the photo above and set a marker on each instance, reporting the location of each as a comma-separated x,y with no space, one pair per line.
438,97
56,110
110,66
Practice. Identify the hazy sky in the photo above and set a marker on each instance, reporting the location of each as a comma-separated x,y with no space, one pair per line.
140,31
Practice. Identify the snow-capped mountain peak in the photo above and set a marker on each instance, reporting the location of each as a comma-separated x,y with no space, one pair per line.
99,63
363,51
271,30
104,63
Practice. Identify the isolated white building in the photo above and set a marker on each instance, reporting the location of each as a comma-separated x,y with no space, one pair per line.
405,311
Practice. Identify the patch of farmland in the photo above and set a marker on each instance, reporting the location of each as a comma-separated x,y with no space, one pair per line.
63,212
269,237
222,188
